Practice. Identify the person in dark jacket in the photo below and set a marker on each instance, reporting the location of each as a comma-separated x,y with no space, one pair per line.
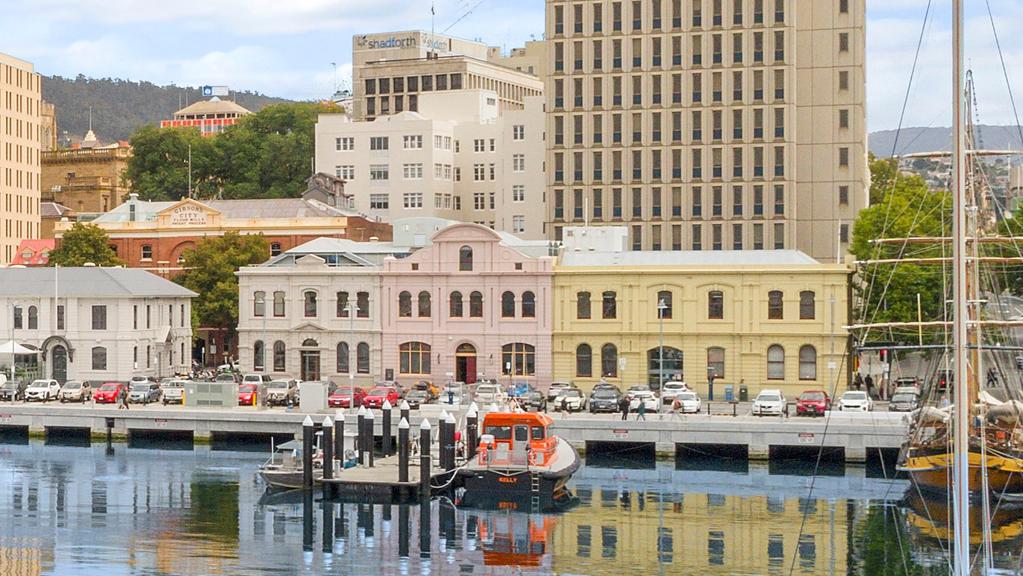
623,405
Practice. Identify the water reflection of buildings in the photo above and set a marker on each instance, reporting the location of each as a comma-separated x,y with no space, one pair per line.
22,557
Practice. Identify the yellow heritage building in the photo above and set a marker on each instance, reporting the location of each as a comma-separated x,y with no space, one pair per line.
764,319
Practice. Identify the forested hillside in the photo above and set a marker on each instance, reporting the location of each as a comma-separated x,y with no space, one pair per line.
119,107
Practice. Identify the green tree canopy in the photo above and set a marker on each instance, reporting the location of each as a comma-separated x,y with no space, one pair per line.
82,244
210,272
902,207
264,155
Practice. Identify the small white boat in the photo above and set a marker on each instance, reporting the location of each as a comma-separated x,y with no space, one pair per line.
283,470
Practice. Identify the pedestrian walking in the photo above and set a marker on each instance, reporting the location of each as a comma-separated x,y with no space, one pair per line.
623,405
641,411
124,399
676,407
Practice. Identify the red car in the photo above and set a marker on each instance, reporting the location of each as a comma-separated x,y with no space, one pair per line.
247,395
342,397
109,393
376,397
813,403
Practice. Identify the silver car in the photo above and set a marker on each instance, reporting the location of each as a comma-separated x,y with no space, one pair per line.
75,391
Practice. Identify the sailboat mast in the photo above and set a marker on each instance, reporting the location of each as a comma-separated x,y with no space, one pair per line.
961,441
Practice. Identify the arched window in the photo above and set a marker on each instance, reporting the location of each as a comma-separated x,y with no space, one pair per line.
664,304
404,305
465,259
342,305
455,305
362,358
716,362
521,358
309,298
362,304
528,305
99,358
807,305
715,305
584,361
33,318
582,305
310,343
259,304
258,363
807,363
507,305
279,357
147,252
476,305
610,306
278,304
609,361
775,305
343,359
414,358
775,362
424,304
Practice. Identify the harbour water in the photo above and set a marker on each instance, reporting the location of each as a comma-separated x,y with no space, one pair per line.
83,510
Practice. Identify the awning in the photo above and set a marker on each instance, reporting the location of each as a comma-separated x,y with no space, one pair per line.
12,347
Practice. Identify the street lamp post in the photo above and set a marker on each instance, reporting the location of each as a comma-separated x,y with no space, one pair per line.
661,307
353,309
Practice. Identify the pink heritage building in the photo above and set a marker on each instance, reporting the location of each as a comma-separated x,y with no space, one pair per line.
468,306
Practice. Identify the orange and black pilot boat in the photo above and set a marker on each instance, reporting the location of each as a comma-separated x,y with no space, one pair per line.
519,462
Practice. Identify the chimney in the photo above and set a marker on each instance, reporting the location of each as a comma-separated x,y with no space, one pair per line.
133,198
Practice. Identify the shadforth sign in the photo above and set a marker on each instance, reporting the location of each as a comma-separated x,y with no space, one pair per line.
398,42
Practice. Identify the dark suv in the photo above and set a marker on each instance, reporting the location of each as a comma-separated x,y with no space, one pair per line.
13,390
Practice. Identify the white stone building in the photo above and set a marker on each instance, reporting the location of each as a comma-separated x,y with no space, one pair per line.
97,324
460,157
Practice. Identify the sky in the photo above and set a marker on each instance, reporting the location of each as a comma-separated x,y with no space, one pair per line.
286,48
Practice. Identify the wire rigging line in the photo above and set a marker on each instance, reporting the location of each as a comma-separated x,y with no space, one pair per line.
1005,73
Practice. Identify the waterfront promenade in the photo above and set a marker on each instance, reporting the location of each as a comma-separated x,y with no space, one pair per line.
846,435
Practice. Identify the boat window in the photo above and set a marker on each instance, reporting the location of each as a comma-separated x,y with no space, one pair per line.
539,433
521,434
500,432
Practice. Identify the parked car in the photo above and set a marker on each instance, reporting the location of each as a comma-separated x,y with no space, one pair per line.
813,403
647,397
281,392
109,393
256,379
173,392
247,394
376,396
487,394
855,401
943,380
672,389
42,391
342,397
637,388
13,390
769,403
903,402
144,392
570,400
228,377
556,388
533,399
689,402
75,391
417,398
604,399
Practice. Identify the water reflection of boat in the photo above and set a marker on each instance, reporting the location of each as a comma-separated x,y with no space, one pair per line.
511,539
931,518
283,470
519,462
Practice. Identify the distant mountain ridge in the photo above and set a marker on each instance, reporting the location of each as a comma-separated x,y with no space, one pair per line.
912,140
119,107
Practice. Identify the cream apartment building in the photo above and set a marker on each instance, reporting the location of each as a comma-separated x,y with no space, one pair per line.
460,157
20,147
708,124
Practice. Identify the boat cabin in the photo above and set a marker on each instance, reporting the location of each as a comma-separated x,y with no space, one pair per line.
517,438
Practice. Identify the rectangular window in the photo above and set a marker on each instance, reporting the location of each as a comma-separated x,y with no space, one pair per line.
519,163
697,202
758,236
379,143
843,42
344,143
412,199
379,202
843,157
518,193
779,200
697,237
412,142
345,172
716,234
736,236
518,132
60,317
716,204
843,80
843,118
99,317
379,172
843,195
412,171
518,224
779,236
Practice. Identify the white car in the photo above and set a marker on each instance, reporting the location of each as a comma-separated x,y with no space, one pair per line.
769,402
42,391
256,379
672,389
855,401
487,394
647,397
689,402
571,399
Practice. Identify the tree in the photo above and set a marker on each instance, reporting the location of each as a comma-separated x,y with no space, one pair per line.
210,272
904,208
264,155
84,243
